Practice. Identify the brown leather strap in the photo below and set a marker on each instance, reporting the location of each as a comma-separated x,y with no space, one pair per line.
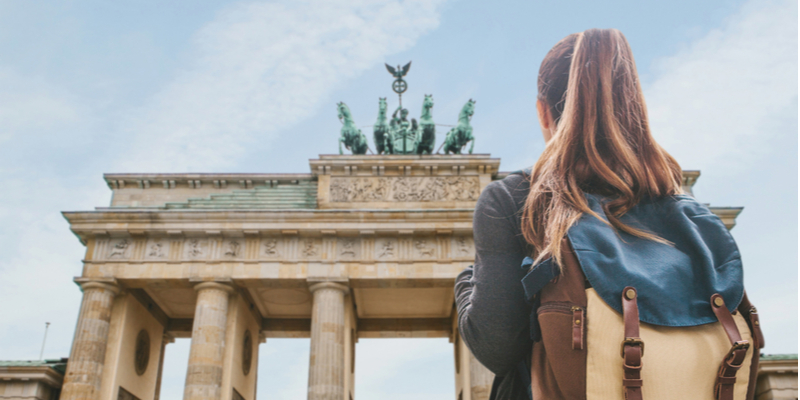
726,376
749,310
632,346
577,328
752,314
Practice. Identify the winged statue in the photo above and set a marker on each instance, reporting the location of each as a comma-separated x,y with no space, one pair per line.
399,72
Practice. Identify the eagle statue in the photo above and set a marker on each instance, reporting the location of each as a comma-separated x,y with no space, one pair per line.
399,73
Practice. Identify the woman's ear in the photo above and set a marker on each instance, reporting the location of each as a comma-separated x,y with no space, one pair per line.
545,121
543,112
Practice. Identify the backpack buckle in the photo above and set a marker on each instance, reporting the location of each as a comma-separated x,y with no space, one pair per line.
631,341
741,344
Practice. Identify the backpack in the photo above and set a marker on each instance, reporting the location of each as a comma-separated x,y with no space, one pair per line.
617,295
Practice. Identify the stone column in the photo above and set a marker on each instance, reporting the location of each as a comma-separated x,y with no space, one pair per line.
165,339
326,367
204,374
85,366
480,380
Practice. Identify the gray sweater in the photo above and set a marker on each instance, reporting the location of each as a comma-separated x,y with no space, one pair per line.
493,315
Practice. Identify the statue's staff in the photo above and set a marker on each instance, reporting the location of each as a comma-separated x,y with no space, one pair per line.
399,85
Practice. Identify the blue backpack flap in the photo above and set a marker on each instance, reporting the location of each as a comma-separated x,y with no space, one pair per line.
674,283
538,277
533,282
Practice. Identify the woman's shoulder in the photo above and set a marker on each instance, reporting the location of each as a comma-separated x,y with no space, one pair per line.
507,193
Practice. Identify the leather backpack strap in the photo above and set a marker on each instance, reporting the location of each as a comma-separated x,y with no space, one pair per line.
749,310
632,346
726,376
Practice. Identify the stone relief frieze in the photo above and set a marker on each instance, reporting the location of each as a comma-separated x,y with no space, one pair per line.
349,248
310,248
295,248
195,248
404,189
425,248
233,248
463,246
270,247
120,248
386,249
157,249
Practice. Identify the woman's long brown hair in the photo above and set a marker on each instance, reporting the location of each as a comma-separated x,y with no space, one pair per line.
601,144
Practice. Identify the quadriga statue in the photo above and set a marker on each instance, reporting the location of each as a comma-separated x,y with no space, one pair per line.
351,136
461,134
380,131
426,139
403,132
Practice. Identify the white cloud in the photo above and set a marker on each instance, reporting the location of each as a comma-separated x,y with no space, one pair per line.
719,101
260,67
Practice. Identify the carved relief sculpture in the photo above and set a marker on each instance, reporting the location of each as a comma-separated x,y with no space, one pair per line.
271,247
423,248
247,353
309,248
463,246
405,189
195,248
234,248
387,249
120,249
348,248
360,189
142,352
156,250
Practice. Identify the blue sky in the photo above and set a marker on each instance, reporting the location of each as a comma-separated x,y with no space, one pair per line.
88,87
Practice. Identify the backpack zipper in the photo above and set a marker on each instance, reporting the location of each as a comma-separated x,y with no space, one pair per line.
558,307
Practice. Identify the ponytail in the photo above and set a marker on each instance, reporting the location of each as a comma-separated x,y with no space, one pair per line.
602,143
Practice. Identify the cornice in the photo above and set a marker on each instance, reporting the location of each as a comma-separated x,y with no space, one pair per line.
116,181
321,215
242,223
41,373
394,165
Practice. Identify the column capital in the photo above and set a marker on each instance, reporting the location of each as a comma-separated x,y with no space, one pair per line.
214,285
168,338
109,284
341,286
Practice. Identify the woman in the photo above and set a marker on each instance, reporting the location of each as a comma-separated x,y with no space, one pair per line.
600,227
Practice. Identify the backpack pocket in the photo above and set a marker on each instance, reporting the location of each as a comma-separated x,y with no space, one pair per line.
562,326
680,362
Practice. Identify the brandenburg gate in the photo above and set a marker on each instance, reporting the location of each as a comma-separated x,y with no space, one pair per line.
361,247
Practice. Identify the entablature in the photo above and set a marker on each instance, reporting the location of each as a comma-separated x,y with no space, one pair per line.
405,165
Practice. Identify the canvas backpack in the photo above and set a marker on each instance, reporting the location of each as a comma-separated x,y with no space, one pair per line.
628,318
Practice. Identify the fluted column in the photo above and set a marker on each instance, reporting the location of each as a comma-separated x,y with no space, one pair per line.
204,374
480,379
85,366
326,367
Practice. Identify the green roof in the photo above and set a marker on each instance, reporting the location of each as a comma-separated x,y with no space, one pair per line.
59,364
776,357
300,195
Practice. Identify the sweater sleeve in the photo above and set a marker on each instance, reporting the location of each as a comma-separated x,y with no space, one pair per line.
493,316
